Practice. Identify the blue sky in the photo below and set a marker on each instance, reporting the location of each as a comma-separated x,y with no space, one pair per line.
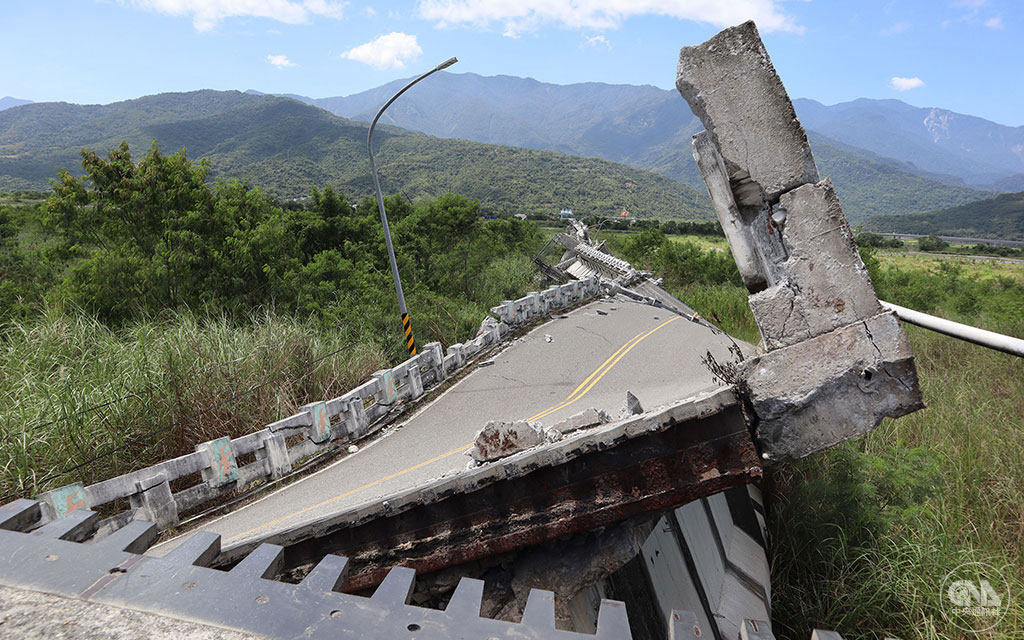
964,55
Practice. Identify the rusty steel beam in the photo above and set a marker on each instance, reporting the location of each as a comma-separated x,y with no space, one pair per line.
655,470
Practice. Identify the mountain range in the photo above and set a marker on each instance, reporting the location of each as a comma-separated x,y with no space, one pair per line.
1000,217
934,143
288,147
886,157
927,158
7,102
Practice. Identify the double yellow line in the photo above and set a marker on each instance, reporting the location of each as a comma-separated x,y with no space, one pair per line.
600,372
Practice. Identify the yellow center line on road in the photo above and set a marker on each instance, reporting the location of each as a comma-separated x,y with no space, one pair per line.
579,392
618,355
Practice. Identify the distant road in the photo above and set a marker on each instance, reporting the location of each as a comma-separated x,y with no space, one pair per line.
594,356
992,242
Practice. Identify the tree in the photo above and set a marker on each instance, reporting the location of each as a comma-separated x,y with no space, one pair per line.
932,243
156,236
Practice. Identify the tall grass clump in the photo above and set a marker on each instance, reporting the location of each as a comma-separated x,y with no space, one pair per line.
150,374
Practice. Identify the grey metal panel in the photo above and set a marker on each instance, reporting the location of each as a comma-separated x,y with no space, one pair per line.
245,599
709,563
673,584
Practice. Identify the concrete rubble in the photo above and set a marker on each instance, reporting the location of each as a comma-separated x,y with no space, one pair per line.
836,362
501,439
582,420
632,406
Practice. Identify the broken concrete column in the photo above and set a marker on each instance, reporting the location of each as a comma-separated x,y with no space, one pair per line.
825,284
433,359
274,454
355,419
154,502
836,362
732,87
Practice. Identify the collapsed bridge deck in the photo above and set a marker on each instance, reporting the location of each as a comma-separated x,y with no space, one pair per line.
588,359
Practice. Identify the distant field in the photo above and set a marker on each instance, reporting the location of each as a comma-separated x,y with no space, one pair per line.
704,242
973,267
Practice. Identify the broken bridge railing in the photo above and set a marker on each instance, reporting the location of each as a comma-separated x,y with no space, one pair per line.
214,468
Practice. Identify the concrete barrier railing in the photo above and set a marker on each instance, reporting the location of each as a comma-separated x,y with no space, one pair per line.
600,261
224,465
537,304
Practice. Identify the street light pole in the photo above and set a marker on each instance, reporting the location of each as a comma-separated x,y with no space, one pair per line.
406,325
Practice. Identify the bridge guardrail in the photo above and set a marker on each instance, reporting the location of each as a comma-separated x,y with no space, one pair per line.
283,444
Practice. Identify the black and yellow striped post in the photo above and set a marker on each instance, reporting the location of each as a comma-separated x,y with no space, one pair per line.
410,341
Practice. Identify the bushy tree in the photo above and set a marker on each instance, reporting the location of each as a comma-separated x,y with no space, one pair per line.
680,263
157,236
932,243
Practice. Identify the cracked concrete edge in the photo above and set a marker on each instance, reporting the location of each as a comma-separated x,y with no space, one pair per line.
572,445
819,392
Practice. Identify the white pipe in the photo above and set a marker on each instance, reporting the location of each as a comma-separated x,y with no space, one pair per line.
990,339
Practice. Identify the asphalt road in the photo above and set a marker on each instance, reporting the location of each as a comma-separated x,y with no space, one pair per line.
594,356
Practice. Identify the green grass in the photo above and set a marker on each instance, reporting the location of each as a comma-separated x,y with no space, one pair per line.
981,267
154,373
704,242
863,535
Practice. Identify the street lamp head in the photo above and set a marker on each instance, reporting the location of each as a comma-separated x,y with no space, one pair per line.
447,63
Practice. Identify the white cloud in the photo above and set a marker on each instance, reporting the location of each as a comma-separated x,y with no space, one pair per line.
207,13
905,84
370,12
280,61
517,16
596,41
325,8
389,51
995,22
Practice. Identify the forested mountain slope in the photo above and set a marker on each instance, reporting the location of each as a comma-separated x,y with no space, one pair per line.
287,147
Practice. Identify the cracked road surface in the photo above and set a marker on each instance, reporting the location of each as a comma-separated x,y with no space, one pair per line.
590,362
